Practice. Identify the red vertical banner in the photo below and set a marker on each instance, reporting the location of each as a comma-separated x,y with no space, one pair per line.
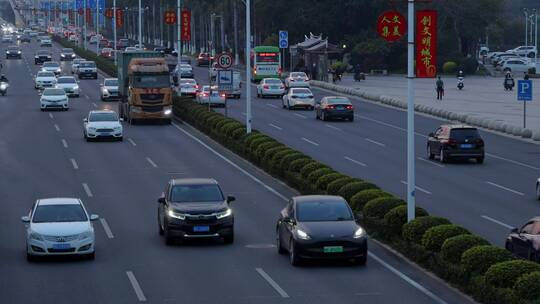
186,25
119,18
426,44
88,16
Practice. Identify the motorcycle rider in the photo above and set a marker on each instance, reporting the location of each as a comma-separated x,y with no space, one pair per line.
3,78
460,77
508,81
460,74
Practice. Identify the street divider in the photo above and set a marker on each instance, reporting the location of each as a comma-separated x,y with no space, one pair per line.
463,118
488,273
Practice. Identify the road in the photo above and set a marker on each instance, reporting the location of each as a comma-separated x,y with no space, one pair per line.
488,199
43,154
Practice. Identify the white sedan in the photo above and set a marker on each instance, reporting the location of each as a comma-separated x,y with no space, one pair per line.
297,80
59,226
75,65
109,89
53,98
52,66
69,84
538,189
299,98
212,97
45,80
102,124
270,87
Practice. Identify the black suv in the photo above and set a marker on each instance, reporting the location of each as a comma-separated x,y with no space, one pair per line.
42,56
13,52
195,208
456,142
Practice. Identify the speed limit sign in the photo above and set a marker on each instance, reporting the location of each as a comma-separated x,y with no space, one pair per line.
224,61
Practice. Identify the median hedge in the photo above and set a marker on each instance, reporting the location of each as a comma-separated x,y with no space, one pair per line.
450,251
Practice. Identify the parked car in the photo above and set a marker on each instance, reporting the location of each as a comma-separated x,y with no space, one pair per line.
188,87
54,98
525,51
320,227
103,124
516,65
44,80
298,98
109,89
211,96
297,80
456,142
67,54
195,208
13,52
42,56
272,87
332,107
69,84
203,59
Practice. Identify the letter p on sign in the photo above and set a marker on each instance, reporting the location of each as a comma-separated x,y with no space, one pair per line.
524,90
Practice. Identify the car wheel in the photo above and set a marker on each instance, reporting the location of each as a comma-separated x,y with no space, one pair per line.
442,157
91,256
480,160
538,191
160,226
279,246
169,240
30,257
361,261
323,116
283,104
289,106
229,239
293,257
316,115
430,155
121,138
351,119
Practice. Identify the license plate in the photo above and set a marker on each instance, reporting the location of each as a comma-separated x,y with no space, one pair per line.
339,107
61,246
466,146
333,249
274,87
201,228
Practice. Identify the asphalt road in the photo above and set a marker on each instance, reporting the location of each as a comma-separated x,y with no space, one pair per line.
488,199
43,154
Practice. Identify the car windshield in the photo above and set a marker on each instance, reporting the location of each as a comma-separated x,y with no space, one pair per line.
196,193
66,80
45,74
103,117
87,64
43,53
59,213
318,211
338,101
68,51
298,75
155,81
465,133
77,61
301,91
272,81
188,81
53,92
111,82
13,48
51,65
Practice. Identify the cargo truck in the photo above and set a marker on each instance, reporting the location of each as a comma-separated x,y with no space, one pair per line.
144,87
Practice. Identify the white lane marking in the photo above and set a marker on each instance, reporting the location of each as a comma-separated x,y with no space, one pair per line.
136,286
332,127
255,179
355,161
375,142
272,283
74,163
94,104
430,162
418,188
64,142
497,222
87,97
505,188
300,115
148,159
106,227
513,162
51,115
388,125
132,142
276,127
272,105
407,279
87,190
309,141
57,127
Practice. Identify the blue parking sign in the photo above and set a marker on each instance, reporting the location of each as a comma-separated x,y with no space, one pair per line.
524,90
283,39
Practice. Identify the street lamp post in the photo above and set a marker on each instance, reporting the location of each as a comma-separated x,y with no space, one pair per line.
411,183
97,26
526,12
179,43
84,22
248,67
140,23
114,31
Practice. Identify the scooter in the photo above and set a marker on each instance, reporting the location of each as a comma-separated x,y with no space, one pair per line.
460,83
359,76
3,88
508,84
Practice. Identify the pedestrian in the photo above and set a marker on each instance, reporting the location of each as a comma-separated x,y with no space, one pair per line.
526,76
440,88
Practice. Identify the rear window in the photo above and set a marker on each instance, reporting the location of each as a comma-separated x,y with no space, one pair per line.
301,74
45,74
273,81
339,101
464,133
301,91
66,80
88,64
111,82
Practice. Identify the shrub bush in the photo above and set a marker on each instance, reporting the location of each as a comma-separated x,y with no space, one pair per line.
323,181
414,230
269,153
251,137
449,67
333,187
478,259
262,148
276,160
237,134
454,247
298,164
314,176
377,208
307,169
527,287
434,237
506,274
350,189
288,159
358,200
397,217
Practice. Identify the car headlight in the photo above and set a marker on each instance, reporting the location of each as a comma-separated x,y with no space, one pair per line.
301,234
3,86
36,57
18,52
76,87
62,55
91,129
359,233
175,215
59,70
224,214
105,91
118,128
48,56
85,235
36,236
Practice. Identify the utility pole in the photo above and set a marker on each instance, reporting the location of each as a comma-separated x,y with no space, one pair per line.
535,36
526,12
222,34
179,52
114,32
248,67
84,22
140,23
411,183
213,44
97,26
235,21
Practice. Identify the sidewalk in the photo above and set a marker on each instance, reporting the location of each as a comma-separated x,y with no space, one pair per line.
482,97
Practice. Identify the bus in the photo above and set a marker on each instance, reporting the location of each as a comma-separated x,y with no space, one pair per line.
265,63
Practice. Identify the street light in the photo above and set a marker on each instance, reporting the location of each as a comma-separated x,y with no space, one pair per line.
411,182
140,23
526,12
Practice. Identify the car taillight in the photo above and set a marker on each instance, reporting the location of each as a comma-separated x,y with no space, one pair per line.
349,107
331,107
266,87
195,86
279,71
222,94
479,142
205,94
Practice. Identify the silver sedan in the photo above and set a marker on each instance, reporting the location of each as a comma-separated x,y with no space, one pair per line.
211,96
270,87
299,98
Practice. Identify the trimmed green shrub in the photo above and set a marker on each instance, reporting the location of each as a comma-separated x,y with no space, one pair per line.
397,217
276,160
262,148
414,230
307,169
288,159
527,287
348,190
378,207
298,164
255,143
449,67
323,181
434,237
251,137
506,274
269,153
361,198
333,187
237,134
315,175
477,260
454,247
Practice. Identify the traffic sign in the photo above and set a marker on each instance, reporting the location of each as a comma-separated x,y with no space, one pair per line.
225,79
224,61
524,90
283,39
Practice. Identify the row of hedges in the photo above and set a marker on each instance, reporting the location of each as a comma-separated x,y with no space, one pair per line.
489,273
103,64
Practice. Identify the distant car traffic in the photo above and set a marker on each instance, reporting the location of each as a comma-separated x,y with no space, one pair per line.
195,208
69,84
299,98
59,226
7,39
26,38
270,87
87,69
52,66
455,142
109,89
103,43
188,87
73,38
211,96
44,79
131,49
320,227
334,107
122,44
13,52
42,56
45,42
524,242
185,71
67,54
297,80
106,52
203,59
54,98
94,39
75,65
103,124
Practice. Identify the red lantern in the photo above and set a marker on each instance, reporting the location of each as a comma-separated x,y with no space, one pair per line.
119,17
170,17
391,26
186,25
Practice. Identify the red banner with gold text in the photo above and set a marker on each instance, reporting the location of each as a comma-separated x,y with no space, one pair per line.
426,44
186,25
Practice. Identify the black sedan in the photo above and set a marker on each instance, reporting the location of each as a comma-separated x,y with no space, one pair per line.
524,242
456,142
334,107
42,56
195,208
320,227
67,54
13,52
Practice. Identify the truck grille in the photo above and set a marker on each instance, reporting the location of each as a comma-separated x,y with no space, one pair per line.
152,109
152,98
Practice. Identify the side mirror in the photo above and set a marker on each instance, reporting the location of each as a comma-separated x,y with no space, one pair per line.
25,219
94,217
289,220
514,230
85,119
431,135
161,200
121,119
230,198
